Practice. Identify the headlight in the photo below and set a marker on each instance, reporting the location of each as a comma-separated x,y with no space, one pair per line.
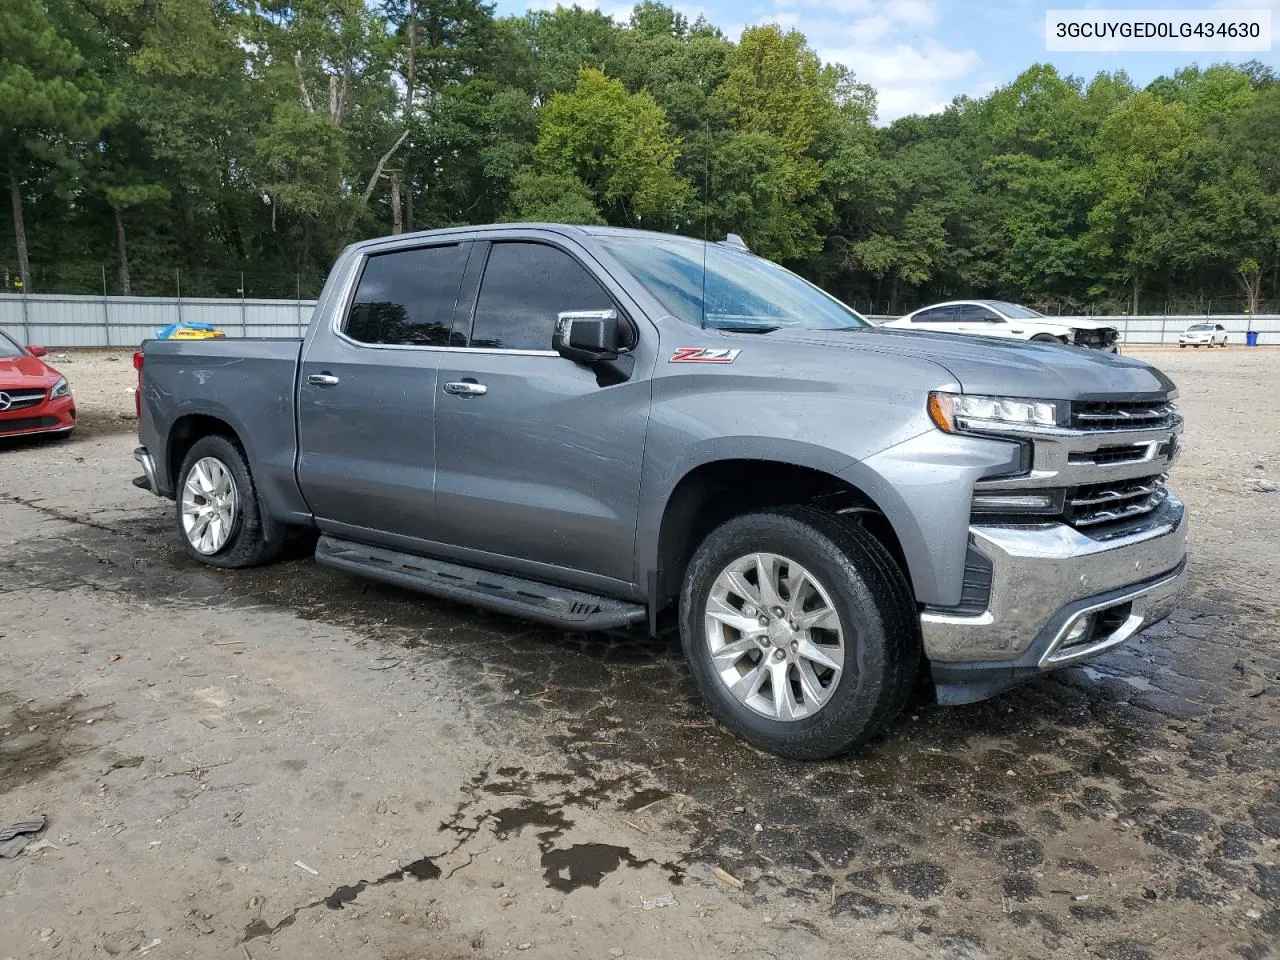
60,389
957,413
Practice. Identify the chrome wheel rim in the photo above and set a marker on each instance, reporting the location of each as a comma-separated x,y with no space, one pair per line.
210,505
775,637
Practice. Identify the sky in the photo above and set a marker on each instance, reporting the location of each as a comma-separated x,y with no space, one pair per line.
919,54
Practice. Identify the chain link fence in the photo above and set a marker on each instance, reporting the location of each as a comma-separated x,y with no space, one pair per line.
152,280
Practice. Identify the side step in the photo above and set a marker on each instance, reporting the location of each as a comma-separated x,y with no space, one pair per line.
541,602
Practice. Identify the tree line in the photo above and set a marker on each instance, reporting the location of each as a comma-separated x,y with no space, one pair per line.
225,138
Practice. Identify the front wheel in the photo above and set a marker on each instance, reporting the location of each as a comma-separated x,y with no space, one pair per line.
800,631
1046,338
219,518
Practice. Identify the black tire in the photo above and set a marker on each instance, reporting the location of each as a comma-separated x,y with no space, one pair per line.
1182,346
246,546
1046,338
877,613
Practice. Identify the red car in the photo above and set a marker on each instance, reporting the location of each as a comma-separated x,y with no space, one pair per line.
34,397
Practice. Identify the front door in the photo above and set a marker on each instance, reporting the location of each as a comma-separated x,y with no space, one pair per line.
367,395
536,461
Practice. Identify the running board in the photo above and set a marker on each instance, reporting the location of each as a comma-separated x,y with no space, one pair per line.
529,599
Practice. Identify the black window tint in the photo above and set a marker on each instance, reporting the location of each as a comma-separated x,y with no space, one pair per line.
935,315
407,297
525,286
973,313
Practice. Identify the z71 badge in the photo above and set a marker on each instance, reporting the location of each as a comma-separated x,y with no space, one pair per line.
703,355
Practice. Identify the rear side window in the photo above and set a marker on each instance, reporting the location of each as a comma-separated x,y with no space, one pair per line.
525,287
935,315
406,298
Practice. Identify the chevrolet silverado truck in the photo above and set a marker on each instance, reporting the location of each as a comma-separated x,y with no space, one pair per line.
598,428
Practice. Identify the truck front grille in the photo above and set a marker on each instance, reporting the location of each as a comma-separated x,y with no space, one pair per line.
1128,453
1125,415
1103,503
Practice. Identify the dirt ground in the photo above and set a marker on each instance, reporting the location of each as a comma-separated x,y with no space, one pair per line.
290,762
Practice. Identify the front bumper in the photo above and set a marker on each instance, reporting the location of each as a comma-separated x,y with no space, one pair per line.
52,416
1046,581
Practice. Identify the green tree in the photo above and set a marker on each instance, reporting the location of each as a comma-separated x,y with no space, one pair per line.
51,103
1138,149
618,145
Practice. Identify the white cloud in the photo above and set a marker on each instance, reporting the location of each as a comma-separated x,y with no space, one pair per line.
909,78
892,44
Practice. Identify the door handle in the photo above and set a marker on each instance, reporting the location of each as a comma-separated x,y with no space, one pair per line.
466,388
322,380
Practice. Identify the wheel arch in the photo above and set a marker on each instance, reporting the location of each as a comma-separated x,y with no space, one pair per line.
194,425
713,491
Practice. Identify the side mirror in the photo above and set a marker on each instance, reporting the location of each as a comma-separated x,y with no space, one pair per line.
36,351
587,336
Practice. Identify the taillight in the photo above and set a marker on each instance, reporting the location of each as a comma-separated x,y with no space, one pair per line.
137,393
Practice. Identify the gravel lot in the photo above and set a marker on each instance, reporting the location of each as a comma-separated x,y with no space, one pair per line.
464,785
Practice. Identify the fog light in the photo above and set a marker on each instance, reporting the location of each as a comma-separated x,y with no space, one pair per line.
1079,632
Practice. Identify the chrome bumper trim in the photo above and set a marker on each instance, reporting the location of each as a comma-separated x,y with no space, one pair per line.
1151,603
1039,571
143,456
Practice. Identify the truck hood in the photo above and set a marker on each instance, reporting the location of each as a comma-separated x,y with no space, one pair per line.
1001,367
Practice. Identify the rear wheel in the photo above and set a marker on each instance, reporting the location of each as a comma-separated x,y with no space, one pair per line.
219,518
800,631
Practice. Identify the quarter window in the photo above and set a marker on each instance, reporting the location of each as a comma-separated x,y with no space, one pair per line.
525,287
407,297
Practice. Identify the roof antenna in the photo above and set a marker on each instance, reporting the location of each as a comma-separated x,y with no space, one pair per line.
706,209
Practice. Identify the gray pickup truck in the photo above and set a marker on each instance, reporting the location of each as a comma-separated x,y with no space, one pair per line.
598,428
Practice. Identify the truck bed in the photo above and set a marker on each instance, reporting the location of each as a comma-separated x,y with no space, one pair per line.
247,383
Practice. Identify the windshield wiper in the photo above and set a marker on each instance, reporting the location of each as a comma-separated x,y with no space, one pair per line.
750,328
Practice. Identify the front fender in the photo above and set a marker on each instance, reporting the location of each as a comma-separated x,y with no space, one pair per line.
924,486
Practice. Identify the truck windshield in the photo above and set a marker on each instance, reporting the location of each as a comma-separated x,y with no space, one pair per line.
742,291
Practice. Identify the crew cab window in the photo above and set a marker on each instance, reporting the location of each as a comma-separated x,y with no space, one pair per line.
935,315
525,287
407,297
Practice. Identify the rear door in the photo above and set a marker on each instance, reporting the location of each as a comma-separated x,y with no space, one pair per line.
367,394
538,464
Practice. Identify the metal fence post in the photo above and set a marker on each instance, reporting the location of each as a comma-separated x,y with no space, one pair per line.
1164,322
297,278
244,325
177,279
106,316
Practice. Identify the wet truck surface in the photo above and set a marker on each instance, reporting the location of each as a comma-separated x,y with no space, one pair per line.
602,429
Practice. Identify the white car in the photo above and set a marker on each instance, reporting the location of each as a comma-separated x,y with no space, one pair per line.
1203,335
998,318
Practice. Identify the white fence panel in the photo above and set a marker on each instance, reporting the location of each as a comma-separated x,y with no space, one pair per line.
71,321
74,321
